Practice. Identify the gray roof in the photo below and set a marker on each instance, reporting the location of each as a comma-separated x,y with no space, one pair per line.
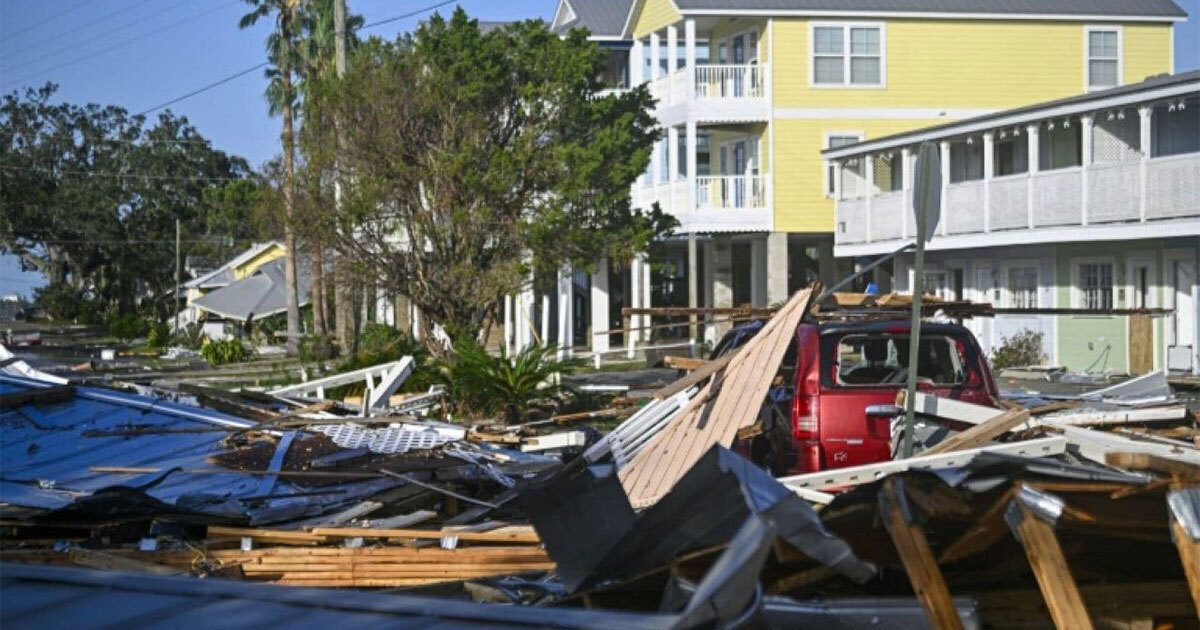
604,18
60,597
223,275
1156,82
261,294
1109,8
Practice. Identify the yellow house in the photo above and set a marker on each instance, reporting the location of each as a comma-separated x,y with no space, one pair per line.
751,91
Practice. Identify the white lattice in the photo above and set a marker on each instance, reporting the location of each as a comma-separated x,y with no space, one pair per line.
964,208
396,438
1009,207
1113,192
1173,186
1056,197
1115,140
887,212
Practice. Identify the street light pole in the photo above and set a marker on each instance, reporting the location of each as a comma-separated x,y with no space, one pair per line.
927,204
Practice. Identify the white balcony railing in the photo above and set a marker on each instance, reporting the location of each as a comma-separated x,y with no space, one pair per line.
731,191
731,81
1128,192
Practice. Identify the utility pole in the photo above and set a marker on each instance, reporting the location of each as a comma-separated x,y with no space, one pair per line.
178,271
341,291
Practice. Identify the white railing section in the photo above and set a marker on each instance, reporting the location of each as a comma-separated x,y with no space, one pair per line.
731,81
1057,197
852,221
1009,197
964,204
731,191
1113,192
887,216
1173,186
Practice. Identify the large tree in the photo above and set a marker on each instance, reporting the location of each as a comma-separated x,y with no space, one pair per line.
471,151
89,196
285,56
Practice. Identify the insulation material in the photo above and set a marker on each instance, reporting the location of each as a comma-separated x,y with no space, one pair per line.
729,402
395,438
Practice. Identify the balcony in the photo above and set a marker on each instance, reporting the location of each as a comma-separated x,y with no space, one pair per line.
1001,206
718,203
710,92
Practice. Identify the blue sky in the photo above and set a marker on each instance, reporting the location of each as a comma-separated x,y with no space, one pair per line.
138,54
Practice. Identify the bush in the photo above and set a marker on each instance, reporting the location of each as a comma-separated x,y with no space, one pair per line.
126,327
481,383
1023,348
191,336
159,335
61,302
224,351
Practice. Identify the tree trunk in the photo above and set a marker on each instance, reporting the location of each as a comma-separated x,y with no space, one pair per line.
318,288
289,204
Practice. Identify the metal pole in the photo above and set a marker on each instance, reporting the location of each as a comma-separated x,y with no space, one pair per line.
927,204
914,340
178,271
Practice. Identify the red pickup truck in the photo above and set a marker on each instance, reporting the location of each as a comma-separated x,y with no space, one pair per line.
834,400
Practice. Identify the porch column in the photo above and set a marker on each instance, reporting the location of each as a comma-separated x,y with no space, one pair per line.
777,267
1085,162
690,157
564,313
945,150
869,162
989,171
656,159
758,272
637,64
722,279
1144,129
600,323
672,49
655,56
646,293
837,180
826,268
672,164
1031,138
508,325
689,48
693,281
907,162
546,319
635,301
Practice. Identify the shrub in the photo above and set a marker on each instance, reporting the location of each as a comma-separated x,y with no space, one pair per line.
224,351
482,383
191,336
126,327
159,335
1023,348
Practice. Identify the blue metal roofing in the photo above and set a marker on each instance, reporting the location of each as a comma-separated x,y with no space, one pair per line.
46,461
56,597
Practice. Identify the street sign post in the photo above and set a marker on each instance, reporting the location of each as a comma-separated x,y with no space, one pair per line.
927,206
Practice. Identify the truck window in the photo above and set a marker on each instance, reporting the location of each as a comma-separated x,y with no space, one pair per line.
879,359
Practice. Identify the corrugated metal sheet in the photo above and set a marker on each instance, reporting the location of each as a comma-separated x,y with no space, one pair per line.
55,597
46,460
1115,8
261,294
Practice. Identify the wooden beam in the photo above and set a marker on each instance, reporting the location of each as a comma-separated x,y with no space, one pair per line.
1050,568
684,363
1189,555
710,368
1180,470
919,563
518,537
37,396
987,531
982,433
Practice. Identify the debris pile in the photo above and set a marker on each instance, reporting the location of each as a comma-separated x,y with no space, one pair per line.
1037,510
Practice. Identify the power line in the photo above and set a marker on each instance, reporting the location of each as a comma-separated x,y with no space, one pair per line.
122,43
49,19
80,43
94,22
241,73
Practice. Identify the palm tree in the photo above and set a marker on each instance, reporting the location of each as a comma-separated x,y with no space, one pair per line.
283,53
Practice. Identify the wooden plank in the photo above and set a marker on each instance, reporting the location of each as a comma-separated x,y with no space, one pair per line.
1189,555
987,531
1050,568
425,534
1141,344
693,379
982,433
37,396
1180,470
913,548
684,363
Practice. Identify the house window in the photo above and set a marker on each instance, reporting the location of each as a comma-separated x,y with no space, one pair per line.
1103,58
1096,285
1022,287
833,142
847,55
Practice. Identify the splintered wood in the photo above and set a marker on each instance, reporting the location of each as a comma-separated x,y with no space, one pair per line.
729,402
